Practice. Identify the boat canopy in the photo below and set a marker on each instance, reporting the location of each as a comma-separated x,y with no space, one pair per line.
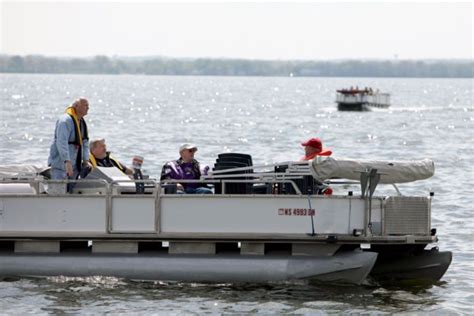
21,171
391,171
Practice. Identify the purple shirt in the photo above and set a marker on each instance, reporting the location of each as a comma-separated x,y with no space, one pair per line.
180,170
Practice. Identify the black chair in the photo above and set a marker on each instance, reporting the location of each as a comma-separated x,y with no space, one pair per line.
307,184
244,161
228,161
236,157
232,188
256,188
246,156
231,165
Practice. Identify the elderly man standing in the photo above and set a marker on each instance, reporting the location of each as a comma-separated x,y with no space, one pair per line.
70,147
185,168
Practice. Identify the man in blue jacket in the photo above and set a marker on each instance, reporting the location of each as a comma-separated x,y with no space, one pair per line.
70,147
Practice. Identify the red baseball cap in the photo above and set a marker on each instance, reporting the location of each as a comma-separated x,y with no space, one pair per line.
317,144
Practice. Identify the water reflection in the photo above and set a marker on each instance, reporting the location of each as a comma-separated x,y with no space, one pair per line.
105,294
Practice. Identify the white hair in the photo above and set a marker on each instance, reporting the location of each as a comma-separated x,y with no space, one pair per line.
94,143
78,101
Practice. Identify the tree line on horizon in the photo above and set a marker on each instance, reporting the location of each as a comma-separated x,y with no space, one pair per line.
236,67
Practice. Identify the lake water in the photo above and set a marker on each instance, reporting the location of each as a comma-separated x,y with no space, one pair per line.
267,118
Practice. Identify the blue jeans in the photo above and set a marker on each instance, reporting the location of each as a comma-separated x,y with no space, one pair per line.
199,190
59,188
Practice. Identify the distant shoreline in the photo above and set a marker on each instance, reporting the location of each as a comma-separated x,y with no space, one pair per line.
37,64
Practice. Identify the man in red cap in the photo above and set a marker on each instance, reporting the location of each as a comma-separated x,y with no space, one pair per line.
314,147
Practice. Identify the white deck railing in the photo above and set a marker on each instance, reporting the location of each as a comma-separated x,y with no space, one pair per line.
379,98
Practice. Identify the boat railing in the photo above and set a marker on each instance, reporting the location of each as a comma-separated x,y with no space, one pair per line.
356,98
40,185
384,216
295,171
224,181
283,177
383,98
292,165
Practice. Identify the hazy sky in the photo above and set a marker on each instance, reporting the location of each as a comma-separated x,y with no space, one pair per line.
264,30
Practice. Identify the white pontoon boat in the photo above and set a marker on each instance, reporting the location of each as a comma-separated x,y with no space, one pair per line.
260,225
361,100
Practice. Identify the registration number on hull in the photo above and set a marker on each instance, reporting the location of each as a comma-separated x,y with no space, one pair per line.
296,211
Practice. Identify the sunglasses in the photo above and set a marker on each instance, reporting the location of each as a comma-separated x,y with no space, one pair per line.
191,150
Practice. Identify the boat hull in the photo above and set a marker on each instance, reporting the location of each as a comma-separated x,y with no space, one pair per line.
347,267
429,265
361,106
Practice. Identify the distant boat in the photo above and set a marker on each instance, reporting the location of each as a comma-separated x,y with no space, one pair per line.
361,99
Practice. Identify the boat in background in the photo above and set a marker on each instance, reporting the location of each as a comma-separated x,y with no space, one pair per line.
361,99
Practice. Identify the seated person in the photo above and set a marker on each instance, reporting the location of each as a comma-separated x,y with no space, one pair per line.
314,147
99,156
185,168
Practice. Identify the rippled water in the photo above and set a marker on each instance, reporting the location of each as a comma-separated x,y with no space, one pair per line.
267,118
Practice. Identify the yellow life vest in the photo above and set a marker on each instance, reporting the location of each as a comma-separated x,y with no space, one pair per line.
78,140
77,126
114,161
92,160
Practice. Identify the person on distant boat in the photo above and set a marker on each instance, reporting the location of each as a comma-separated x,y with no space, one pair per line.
185,168
99,156
69,150
314,147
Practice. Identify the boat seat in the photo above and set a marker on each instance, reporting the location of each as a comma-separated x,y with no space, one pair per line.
307,184
232,188
244,161
227,161
122,182
235,157
169,188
